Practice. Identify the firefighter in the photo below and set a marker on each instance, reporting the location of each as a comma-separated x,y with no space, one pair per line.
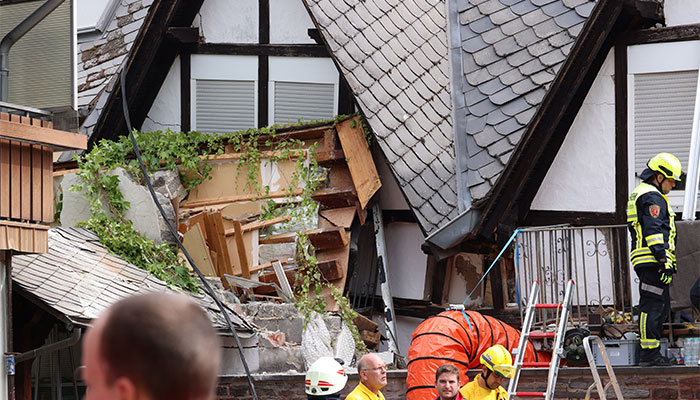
496,364
325,379
650,221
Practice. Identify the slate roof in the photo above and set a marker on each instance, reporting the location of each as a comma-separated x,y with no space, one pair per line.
79,278
511,52
100,59
407,78
393,54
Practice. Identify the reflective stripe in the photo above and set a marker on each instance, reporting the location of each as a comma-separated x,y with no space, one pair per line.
651,289
649,343
643,260
655,239
642,326
640,252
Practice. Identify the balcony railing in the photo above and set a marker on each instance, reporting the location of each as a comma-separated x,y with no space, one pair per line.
596,258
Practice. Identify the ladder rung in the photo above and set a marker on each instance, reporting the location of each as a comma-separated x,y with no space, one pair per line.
557,305
540,335
530,394
533,364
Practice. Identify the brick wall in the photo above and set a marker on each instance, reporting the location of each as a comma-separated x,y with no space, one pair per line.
681,383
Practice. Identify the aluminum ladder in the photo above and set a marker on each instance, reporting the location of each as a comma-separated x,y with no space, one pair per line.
594,370
558,350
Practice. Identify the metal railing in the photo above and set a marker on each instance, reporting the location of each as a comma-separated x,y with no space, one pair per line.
595,257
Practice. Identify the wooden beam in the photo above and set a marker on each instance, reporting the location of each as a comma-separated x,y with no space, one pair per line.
259,224
242,252
330,270
359,159
541,142
185,91
575,218
183,34
216,240
665,34
257,49
621,167
321,239
237,198
59,140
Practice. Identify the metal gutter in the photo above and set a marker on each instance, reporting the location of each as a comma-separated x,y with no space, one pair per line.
453,232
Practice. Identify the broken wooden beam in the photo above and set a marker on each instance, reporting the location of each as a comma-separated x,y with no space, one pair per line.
336,197
330,270
240,197
364,323
371,338
328,238
216,240
259,224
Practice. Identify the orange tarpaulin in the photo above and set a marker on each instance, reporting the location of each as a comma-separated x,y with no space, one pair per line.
447,338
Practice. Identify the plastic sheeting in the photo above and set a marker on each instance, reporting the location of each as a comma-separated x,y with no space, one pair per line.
447,338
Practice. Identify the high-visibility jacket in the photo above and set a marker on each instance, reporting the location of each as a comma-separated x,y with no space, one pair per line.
472,391
651,223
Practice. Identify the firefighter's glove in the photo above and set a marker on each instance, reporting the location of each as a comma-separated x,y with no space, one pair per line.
666,277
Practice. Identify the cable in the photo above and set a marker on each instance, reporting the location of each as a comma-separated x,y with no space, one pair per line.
208,289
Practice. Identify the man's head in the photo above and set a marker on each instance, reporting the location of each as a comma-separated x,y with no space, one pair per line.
663,171
496,364
372,372
447,381
151,347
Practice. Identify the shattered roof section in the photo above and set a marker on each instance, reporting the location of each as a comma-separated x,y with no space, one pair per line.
79,278
101,59
393,54
511,52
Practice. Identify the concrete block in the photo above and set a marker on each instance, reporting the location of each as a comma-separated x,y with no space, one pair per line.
281,359
168,184
292,327
272,339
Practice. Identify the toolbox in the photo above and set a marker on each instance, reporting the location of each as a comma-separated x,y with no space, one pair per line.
623,352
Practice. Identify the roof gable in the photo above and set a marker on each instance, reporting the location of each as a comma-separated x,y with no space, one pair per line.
393,54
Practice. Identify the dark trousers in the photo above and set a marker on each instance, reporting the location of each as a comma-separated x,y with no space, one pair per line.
654,305
695,294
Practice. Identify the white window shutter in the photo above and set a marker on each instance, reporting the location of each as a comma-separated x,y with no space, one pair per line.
663,115
306,101
224,106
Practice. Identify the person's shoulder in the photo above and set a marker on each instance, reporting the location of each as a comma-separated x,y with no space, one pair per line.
652,197
356,394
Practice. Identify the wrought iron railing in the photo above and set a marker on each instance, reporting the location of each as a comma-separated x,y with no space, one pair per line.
595,257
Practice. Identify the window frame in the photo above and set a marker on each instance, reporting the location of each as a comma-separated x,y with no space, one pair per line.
656,58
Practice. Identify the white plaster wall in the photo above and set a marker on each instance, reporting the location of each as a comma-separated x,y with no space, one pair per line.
165,110
406,262
289,22
226,21
582,176
681,12
405,326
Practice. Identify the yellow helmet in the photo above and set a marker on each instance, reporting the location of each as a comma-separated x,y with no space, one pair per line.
667,164
498,359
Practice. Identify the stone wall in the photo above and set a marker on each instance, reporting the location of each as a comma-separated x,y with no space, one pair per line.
682,382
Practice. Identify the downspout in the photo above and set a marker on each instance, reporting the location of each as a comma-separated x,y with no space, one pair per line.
692,177
16,34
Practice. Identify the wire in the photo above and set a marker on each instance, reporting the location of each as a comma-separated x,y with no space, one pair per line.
208,290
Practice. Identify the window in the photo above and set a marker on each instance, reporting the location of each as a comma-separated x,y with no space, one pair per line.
662,80
302,88
224,93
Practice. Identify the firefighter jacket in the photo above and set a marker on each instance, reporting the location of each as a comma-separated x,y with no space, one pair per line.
650,221
472,391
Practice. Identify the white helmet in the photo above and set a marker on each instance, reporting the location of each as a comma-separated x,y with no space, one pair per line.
325,376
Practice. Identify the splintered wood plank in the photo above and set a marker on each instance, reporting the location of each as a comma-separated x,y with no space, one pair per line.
242,252
15,180
190,222
341,256
4,177
217,242
196,246
47,201
336,197
339,216
371,339
254,226
271,277
330,270
365,324
37,181
359,159
330,152
282,279
321,239
261,267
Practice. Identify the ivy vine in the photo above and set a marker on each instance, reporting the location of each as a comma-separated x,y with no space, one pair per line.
188,153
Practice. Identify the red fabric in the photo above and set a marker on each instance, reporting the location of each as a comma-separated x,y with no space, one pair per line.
447,338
